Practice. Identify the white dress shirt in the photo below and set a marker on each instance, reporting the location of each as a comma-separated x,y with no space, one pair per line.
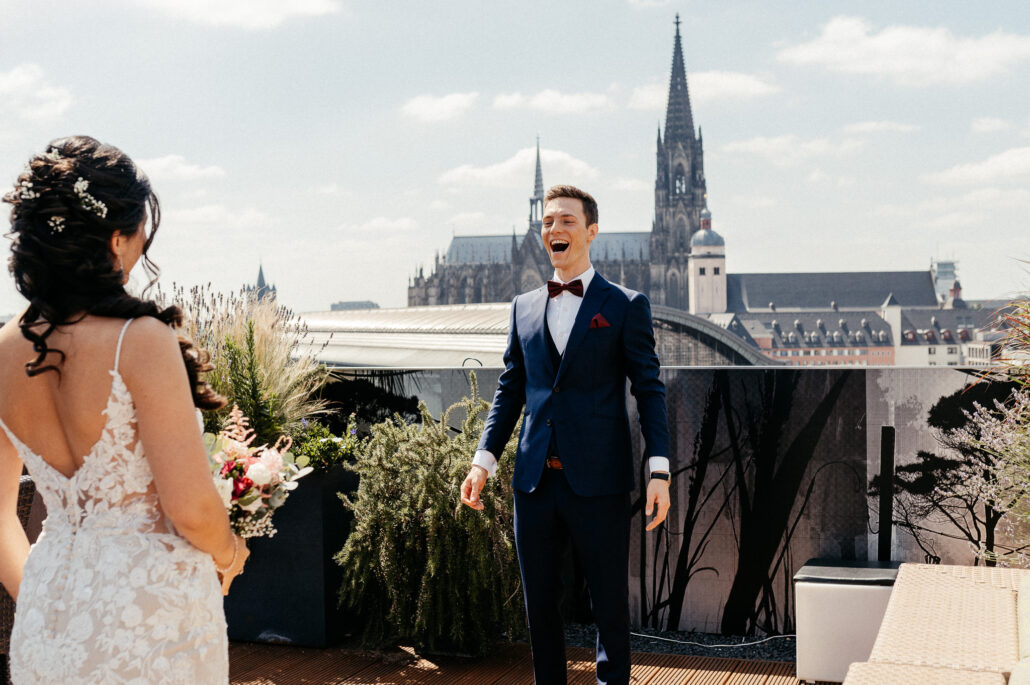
561,315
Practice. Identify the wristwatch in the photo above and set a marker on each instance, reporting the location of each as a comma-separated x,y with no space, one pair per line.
661,475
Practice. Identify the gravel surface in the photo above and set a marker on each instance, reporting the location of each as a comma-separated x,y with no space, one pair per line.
778,649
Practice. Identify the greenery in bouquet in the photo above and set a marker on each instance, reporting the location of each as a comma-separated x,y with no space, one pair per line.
419,565
323,450
252,481
262,356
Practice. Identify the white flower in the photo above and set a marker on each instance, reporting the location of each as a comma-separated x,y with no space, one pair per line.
272,460
224,488
259,473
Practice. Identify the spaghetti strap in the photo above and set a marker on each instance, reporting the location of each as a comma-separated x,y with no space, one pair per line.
118,350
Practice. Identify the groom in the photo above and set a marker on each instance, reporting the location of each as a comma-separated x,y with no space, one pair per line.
572,344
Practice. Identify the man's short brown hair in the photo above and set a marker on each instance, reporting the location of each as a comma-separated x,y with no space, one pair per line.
589,203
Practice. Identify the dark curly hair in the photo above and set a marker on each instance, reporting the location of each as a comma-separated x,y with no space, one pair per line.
66,206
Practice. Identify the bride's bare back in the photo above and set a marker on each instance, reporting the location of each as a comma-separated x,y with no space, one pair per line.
59,417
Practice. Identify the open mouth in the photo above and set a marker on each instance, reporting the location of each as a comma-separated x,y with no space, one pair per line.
559,245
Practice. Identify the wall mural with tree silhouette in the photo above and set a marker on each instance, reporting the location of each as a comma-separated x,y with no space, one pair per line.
772,467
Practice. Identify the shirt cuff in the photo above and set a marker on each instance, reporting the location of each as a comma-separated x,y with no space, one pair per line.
488,461
656,464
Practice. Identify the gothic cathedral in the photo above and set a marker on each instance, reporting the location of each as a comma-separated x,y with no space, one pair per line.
495,268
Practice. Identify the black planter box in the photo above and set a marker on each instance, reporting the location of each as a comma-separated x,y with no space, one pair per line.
287,593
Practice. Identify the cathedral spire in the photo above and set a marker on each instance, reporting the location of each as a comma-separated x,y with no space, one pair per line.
536,201
538,183
261,277
679,120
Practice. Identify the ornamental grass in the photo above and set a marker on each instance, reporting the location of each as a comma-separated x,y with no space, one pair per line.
419,567
254,346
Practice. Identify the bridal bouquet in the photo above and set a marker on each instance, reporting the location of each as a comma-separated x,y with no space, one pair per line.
253,481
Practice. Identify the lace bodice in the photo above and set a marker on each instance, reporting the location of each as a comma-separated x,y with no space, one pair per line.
110,593
114,487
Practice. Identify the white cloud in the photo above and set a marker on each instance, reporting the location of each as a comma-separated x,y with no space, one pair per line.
705,87
176,168
27,95
989,125
953,211
755,201
218,216
631,184
467,220
908,55
641,4
431,108
332,189
712,86
817,176
651,97
789,150
517,170
879,127
243,14
381,226
439,205
1008,165
553,101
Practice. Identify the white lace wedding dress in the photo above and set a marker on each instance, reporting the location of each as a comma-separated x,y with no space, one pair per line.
110,593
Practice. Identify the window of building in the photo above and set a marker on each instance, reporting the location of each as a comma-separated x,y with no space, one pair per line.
931,350
715,270
702,271
952,350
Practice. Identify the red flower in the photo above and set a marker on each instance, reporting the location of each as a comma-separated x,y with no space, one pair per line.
240,486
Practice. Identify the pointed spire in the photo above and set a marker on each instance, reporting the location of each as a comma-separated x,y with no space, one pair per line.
679,120
538,182
261,277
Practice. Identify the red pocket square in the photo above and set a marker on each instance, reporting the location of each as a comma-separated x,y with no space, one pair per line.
599,322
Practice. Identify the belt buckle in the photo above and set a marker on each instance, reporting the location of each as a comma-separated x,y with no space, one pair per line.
553,463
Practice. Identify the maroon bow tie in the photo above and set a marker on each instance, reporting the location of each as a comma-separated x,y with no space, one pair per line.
554,288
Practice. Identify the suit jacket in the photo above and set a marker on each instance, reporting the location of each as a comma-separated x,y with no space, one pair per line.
583,401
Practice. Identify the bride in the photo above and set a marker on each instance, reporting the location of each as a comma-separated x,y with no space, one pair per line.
97,400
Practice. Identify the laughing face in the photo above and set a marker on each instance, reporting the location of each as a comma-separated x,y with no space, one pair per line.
566,236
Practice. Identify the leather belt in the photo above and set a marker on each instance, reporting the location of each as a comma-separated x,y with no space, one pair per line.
553,463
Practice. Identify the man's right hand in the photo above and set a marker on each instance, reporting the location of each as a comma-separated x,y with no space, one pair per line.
472,486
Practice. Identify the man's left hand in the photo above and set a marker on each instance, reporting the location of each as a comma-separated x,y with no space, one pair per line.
657,495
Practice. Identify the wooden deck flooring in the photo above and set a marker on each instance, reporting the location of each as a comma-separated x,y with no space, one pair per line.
252,664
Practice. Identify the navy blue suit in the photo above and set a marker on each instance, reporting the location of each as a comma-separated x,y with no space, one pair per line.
575,408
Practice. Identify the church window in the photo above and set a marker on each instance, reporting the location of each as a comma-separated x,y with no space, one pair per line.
702,271
680,186
715,270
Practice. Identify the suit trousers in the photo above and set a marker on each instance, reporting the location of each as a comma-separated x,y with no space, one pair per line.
546,521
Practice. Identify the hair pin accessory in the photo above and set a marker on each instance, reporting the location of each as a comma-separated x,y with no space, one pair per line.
88,202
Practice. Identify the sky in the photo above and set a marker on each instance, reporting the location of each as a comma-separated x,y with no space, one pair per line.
342,143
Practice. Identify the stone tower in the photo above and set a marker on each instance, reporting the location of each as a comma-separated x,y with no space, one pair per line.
679,191
707,279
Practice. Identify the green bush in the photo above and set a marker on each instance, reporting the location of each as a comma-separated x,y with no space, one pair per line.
324,450
419,566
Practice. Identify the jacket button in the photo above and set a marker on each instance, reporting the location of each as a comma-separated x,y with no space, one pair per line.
548,422
557,388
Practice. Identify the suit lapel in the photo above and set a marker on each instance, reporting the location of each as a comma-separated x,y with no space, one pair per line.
597,293
532,322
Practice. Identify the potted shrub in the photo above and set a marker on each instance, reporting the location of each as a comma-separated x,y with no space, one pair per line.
419,566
